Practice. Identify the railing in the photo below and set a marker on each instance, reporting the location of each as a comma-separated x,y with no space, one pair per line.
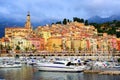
71,53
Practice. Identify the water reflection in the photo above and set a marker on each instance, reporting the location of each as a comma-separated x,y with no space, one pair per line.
30,73
24,73
58,76
100,77
73,76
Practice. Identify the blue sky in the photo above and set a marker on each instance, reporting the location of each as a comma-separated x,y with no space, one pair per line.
58,9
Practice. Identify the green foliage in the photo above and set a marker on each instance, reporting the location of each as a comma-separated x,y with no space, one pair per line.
78,19
26,49
118,34
17,47
65,21
86,22
117,24
17,56
108,27
118,59
1,47
8,47
59,22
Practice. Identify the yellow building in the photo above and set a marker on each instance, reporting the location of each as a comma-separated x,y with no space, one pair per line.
18,35
19,31
45,34
74,44
77,44
54,44
23,43
68,44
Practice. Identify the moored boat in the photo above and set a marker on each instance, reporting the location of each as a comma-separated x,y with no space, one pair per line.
59,66
10,64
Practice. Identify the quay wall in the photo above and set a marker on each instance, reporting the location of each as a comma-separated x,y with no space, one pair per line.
85,57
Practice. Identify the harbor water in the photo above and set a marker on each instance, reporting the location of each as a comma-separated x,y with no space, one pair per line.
31,73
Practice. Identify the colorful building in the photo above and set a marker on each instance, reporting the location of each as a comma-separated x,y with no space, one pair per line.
54,44
21,43
118,44
37,43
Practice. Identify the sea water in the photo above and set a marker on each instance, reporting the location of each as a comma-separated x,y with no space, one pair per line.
31,73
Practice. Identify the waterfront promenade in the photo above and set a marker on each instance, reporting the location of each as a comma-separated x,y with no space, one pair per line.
83,55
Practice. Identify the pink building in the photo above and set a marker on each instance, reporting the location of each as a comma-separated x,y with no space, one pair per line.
38,43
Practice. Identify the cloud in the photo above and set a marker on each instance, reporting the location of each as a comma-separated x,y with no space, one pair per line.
58,9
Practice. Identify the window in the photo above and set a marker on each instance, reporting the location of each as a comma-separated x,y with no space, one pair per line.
58,63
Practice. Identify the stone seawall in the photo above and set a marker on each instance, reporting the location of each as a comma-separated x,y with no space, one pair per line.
105,72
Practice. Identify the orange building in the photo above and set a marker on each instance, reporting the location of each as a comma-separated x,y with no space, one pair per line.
118,44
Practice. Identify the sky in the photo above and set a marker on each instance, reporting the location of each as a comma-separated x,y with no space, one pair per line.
58,9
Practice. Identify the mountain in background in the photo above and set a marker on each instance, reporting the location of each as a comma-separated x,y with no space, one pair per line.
98,19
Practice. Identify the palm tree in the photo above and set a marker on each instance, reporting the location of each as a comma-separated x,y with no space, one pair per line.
33,48
8,48
54,46
26,49
17,48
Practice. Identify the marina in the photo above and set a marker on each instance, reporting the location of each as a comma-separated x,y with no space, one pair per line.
54,52
39,68
60,40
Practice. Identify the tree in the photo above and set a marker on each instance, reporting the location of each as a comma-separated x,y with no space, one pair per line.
96,25
8,48
33,48
112,31
17,47
65,21
86,22
76,19
1,47
82,20
17,56
59,22
118,34
54,46
117,23
26,49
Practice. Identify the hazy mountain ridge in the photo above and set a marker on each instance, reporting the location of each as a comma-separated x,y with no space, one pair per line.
98,19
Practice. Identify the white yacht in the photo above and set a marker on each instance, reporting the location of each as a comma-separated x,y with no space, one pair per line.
10,64
59,66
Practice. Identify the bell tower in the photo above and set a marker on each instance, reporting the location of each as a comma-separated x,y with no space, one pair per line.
28,23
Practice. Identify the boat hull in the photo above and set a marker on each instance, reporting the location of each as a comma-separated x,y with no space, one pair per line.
10,66
60,68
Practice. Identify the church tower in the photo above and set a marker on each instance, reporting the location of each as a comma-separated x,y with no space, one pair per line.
28,23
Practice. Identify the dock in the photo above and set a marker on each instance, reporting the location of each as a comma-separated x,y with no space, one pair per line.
102,72
92,71
110,72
